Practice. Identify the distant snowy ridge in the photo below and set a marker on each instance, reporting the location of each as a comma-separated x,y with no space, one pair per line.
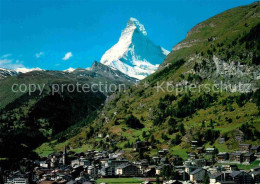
26,70
9,72
69,70
134,54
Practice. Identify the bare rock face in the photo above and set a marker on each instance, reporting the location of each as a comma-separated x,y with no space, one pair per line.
232,75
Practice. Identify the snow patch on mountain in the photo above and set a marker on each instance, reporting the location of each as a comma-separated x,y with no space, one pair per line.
134,54
26,70
69,70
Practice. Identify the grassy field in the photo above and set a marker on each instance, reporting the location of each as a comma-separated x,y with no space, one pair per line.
248,167
119,180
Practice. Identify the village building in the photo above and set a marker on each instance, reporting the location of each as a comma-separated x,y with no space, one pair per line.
127,170
210,151
194,144
216,177
255,149
198,175
236,157
192,156
222,156
200,150
240,177
256,176
221,140
248,158
140,145
199,162
244,147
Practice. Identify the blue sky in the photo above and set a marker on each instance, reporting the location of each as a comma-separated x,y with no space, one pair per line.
58,34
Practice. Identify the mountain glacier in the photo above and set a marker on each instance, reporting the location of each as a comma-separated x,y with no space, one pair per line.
134,54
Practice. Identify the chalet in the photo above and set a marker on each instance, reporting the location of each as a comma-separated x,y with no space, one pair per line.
80,162
156,159
216,177
199,162
158,170
100,135
177,160
221,140
244,147
140,145
127,170
92,171
255,149
200,150
248,158
255,169
182,175
194,144
163,152
17,180
44,164
192,156
229,168
150,171
163,161
239,137
257,156
222,156
210,151
240,177
256,176
115,163
236,157
107,171
198,175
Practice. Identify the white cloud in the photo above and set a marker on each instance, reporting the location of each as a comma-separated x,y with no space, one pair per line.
38,55
10,63
67,56
6,55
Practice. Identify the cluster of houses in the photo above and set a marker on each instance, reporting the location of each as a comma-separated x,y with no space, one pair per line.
85,168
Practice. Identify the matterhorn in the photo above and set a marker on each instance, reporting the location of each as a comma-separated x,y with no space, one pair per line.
134,54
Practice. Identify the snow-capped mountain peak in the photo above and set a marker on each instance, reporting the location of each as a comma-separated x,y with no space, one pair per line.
134,23
134,54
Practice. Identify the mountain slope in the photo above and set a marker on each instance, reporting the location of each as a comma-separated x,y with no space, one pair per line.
171,119
28,119
134,54
5,73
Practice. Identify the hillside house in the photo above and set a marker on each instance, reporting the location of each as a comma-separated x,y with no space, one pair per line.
197,175
216,177
236,157
255,149
194,144
140,145
210,151
257,156
222,156
221,140
192,156
248,158
244,147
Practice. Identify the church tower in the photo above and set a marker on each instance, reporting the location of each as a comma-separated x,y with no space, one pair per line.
64,156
